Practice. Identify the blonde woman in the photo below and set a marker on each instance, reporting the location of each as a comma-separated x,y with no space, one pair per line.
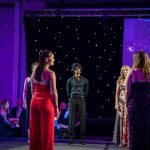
138,102
120,128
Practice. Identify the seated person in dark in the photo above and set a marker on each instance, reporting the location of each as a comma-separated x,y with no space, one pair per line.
63,106
18,112
61,125
6,126
63,121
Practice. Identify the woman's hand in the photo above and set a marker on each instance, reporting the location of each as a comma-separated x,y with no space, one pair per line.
117,107
120,114
56,112
25,104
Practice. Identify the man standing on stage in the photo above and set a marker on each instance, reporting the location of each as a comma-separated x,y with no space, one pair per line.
77,89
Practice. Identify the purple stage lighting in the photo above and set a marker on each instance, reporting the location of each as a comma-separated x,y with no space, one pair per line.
136,37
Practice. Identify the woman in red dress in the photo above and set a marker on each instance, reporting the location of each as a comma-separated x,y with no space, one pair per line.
44,103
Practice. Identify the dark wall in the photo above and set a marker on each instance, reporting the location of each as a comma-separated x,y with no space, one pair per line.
94,42
85,3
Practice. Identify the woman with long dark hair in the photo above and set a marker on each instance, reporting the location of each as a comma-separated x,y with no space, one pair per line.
44,103
138,102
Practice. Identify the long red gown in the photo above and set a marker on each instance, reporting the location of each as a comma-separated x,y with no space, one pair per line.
41,119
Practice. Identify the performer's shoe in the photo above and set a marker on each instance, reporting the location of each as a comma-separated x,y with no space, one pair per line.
82,142
71,141
28,141
123,145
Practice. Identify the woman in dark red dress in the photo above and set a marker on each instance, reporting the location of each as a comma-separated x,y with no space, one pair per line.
44,103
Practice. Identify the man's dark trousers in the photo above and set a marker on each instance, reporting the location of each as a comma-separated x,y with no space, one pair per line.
78,103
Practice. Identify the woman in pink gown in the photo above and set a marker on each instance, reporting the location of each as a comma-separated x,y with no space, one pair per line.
44,103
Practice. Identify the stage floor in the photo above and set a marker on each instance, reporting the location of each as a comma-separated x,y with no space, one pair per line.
60,146
15,144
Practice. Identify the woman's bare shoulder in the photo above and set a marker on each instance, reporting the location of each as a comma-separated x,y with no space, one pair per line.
48,73
131,72
137,69
27,79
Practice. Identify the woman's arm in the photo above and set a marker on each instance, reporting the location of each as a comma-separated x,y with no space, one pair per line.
53,90
128,86
4,114
117,97
31,80
25,90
